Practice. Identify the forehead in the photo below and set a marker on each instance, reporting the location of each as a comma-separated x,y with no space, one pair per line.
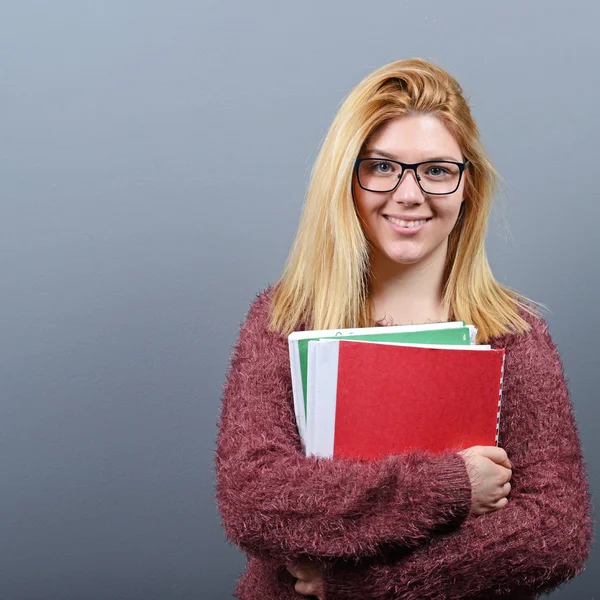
414,137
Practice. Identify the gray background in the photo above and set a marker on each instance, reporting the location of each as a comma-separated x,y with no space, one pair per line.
154,159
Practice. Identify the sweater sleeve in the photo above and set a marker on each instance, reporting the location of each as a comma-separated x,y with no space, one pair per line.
275,502
539,540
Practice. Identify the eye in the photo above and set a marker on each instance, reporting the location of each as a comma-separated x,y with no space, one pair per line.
437,171
381,167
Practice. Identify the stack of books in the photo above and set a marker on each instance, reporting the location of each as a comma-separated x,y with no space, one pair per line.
371,392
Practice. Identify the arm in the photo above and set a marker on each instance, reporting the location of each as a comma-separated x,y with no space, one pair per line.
540,539
276,502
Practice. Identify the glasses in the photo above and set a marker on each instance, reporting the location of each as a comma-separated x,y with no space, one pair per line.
435,177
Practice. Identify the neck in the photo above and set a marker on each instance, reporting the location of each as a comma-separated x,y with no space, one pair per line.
412,293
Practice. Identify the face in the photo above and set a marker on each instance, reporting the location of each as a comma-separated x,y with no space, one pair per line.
384,215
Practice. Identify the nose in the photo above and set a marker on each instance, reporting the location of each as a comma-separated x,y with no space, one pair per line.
408,190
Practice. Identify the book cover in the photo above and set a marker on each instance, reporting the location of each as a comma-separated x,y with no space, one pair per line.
373,399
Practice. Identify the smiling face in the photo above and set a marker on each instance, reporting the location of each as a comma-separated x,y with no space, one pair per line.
385,215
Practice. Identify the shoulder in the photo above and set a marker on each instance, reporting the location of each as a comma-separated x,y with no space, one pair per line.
256,323
258,350
259,309
533,351
539,329
538,333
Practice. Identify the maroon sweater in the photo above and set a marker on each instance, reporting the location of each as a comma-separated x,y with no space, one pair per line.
400,527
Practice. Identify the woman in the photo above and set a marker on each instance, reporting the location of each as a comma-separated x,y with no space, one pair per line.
393,233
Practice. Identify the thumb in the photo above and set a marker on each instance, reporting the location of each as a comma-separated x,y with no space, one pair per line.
497,455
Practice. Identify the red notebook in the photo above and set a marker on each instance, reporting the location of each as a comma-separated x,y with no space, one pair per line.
373,399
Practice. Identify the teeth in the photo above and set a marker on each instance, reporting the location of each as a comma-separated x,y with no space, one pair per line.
409,224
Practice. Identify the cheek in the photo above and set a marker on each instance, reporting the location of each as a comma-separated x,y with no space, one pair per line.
362,202
449,211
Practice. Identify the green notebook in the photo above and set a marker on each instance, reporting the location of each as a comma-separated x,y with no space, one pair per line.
456,333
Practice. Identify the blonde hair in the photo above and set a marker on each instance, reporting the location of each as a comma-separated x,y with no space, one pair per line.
326,279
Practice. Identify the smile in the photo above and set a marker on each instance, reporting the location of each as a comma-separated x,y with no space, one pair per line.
409,224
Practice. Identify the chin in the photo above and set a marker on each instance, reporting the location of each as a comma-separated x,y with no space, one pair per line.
405,260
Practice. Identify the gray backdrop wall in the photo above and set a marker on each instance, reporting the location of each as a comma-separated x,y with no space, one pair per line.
154,159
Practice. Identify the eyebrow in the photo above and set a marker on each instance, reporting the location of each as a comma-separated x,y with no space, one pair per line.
392,157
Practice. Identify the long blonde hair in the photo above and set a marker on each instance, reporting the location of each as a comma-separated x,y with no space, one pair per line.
326,279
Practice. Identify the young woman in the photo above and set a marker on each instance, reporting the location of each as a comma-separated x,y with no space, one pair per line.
393,233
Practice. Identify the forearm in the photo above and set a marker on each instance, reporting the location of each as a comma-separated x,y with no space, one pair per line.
528,547
295,505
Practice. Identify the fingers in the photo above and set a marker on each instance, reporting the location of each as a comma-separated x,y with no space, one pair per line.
299,571
502,503
308,580
506,475
502,499
496,454
306,588
292,568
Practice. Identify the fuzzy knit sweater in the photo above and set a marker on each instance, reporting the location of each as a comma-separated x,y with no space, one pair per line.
399,527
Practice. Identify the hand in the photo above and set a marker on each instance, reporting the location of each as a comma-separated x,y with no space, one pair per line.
490,472
310,578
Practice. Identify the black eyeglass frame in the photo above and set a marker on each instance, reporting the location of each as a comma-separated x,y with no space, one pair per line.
413,167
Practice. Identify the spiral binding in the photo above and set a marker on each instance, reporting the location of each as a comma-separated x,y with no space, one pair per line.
500,398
